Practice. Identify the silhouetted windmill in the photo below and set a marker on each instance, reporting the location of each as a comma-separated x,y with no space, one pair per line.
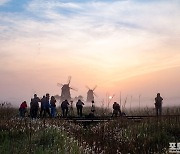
65,90
90,94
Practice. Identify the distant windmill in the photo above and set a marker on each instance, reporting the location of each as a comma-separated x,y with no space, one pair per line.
90,94
65,90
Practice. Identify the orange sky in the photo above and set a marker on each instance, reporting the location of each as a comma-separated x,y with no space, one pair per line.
125,46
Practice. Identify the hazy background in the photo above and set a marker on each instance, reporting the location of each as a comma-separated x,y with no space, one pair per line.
122,46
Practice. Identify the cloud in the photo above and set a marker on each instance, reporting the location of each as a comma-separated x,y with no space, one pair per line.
45,4
101,18
2,2
94,15
92,31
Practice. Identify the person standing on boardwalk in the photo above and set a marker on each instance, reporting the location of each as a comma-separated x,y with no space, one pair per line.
158,104
79,106
64,107
116,109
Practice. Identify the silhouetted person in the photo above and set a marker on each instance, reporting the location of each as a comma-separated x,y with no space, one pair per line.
116,109
158,104
34,105
43,102
22,109
53,106
91,114
47,106
64,107
79,106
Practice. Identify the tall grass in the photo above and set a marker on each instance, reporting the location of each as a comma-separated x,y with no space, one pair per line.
121,135
127,136
37,136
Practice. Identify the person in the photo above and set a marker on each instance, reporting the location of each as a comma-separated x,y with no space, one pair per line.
22,109
91,114
43,102
64,107
53,106
79,106
116,109
158,104
46,106
34,106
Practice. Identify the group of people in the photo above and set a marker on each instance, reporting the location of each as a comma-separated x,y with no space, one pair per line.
158,107
47,107
65,107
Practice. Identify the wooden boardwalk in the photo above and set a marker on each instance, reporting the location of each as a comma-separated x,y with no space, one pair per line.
110,118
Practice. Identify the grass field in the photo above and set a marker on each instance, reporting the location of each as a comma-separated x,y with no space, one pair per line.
121,135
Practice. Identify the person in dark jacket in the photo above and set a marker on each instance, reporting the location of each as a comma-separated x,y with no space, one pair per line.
43,102
64,107
23,109
79,106
53,106
34,106
47,106
116,109
158,104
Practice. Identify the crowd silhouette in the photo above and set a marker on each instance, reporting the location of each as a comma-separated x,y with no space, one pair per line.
47,107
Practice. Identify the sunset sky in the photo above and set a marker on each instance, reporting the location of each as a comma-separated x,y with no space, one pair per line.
127,46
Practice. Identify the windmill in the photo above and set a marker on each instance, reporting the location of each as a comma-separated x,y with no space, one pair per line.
90,94
65,90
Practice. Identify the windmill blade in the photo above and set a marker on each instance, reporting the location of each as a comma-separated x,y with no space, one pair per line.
87,87
60,84
94,87
69,80
95,94
74,89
